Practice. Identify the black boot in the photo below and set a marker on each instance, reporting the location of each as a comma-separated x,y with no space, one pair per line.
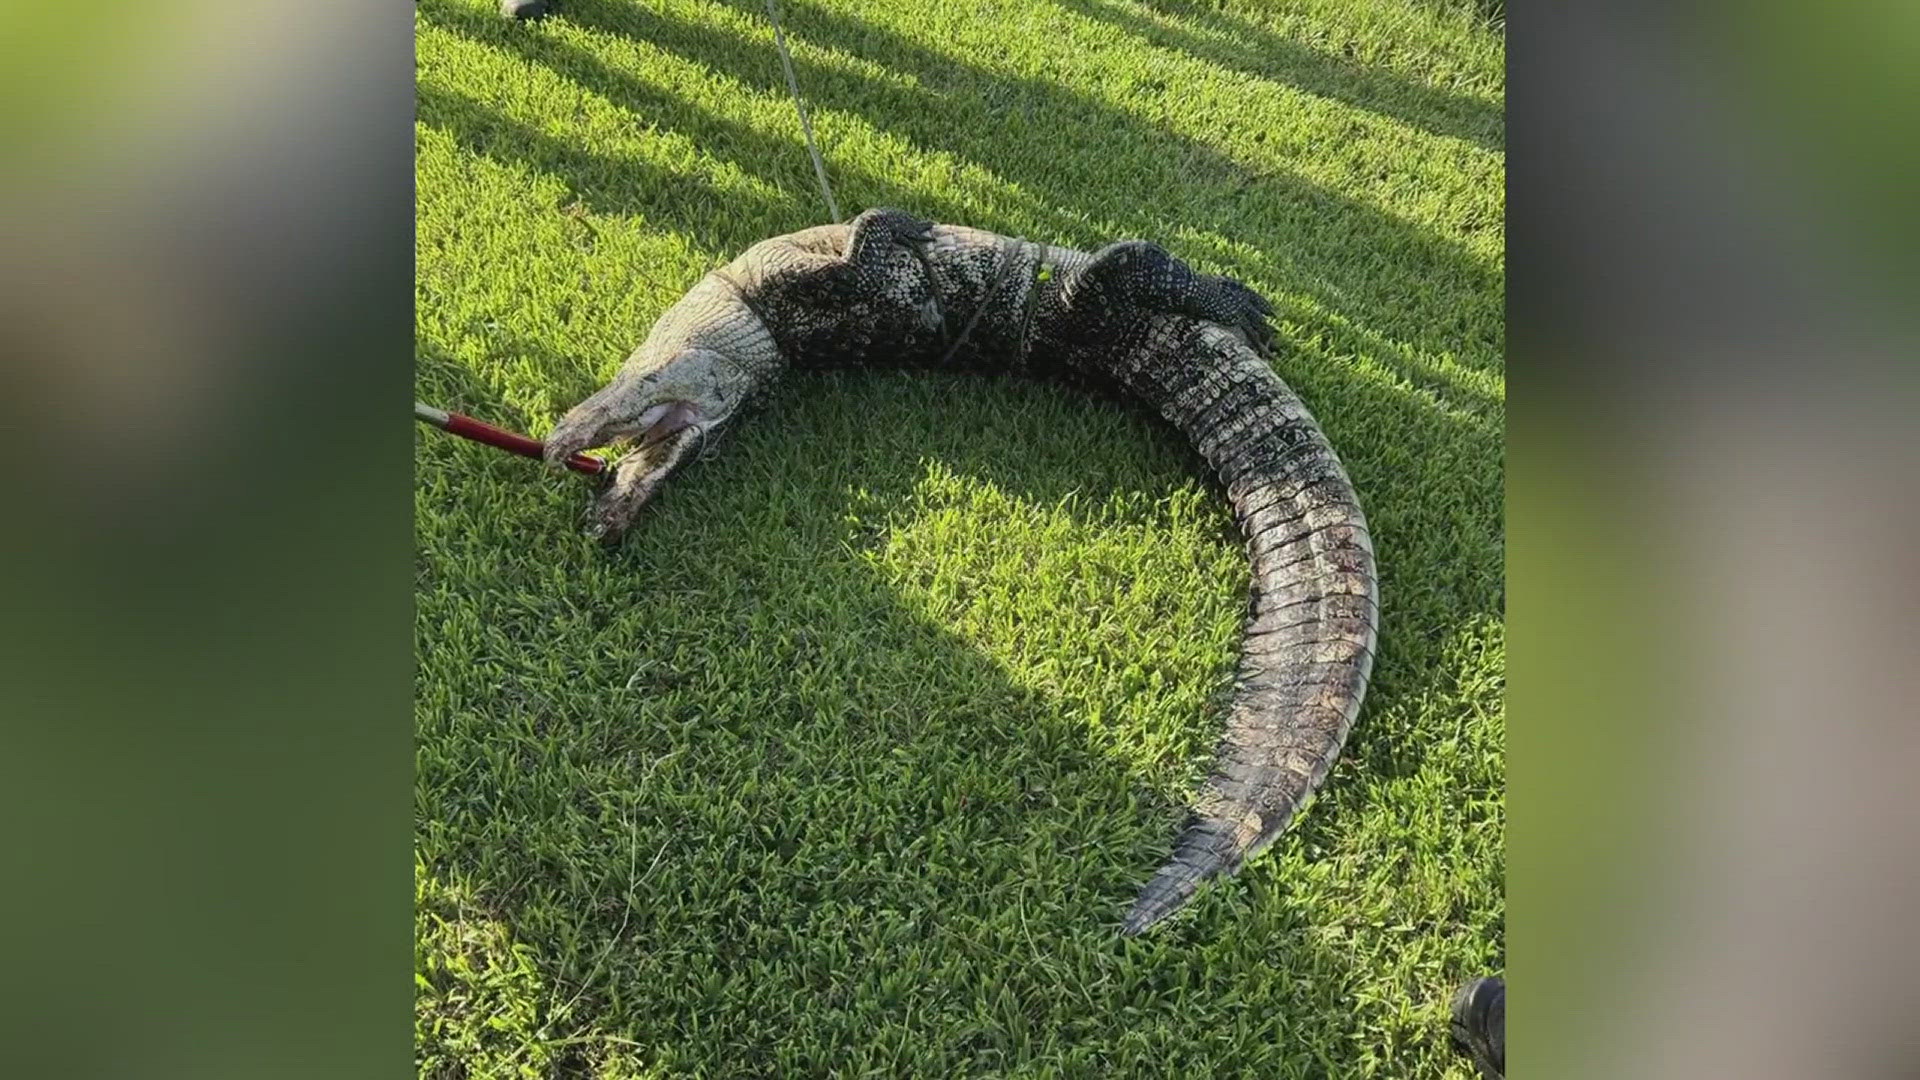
1480,1025
524,9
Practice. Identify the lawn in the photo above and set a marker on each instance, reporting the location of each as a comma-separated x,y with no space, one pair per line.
851,758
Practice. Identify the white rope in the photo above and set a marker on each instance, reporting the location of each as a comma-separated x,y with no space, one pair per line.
793,84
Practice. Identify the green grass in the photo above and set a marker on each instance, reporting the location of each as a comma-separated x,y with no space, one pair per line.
849,761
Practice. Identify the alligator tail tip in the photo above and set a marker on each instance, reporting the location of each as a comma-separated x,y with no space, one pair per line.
1167,892
1142,917
1205,850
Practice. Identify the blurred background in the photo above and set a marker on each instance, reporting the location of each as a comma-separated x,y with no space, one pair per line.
1712,565
205,296
206,305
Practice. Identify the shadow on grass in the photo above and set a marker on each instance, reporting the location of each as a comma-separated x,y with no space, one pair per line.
630,186
731,787
1252,50
605,183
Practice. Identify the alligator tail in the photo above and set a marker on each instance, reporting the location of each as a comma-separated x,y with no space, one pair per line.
1310,632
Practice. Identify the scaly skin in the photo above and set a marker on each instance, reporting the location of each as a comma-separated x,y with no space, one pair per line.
890,288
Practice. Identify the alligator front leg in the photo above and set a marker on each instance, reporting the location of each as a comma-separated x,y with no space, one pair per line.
886,254
876,300
877,236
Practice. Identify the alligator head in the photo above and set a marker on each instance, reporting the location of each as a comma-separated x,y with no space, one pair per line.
660,412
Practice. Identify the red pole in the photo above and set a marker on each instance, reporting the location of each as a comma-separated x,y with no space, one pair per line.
468,428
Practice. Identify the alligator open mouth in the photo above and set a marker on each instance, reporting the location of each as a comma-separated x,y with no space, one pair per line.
667,419
664,437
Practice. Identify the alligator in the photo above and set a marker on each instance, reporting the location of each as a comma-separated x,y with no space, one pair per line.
891,288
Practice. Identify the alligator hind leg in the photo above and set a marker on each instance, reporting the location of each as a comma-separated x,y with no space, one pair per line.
1138,275
876,237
